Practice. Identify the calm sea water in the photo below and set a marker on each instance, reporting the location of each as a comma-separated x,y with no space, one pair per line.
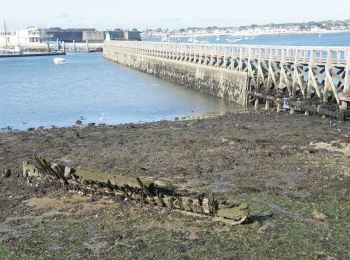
331,39
35,92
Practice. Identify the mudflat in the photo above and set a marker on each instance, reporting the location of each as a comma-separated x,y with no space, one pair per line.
293,170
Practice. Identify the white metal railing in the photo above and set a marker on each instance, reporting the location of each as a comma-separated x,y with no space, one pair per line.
337,56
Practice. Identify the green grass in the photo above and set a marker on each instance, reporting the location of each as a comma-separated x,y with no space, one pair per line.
138,234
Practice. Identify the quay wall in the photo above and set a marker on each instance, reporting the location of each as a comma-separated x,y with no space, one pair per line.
227,84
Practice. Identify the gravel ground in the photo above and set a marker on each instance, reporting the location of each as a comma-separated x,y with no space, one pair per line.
292,169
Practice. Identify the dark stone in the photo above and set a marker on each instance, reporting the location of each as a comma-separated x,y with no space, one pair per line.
78,122
91,124
7,173
31,129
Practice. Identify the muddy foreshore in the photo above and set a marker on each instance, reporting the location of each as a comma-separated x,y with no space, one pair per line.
292,169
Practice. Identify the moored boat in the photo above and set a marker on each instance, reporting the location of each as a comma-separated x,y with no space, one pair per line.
59,61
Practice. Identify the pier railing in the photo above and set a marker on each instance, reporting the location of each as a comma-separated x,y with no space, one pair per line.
334,55
297,72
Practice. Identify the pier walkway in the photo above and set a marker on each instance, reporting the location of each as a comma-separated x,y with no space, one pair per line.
312,75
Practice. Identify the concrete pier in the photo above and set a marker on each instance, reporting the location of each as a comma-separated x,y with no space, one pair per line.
306,74
227,84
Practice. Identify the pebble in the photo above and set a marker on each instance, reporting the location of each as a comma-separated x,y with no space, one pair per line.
319,215
78,122
265,227
7,173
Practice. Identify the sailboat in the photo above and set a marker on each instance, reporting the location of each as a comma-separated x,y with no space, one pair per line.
5,50
17,51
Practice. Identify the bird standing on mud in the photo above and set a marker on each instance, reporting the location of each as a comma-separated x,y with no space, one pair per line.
100,119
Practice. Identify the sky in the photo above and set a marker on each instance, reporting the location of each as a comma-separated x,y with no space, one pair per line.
142,14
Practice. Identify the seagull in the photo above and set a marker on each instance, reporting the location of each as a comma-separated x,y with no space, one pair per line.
100,120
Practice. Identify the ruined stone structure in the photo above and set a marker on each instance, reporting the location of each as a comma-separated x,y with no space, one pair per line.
312,76
145,190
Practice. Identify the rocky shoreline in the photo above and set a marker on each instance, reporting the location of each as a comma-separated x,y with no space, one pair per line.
292,169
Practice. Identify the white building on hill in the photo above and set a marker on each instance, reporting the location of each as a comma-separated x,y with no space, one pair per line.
22,37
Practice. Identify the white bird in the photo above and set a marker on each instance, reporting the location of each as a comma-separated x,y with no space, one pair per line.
100,120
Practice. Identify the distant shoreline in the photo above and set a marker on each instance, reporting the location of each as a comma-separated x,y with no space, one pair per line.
43,47
240,34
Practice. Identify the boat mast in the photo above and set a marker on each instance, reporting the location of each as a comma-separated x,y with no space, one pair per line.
5,34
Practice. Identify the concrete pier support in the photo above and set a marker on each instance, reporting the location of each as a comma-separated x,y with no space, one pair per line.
279,107
344,106
256,104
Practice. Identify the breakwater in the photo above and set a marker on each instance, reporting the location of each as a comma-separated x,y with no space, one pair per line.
312,76
227,84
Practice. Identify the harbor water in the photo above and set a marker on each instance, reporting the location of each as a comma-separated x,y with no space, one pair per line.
330,39
36,92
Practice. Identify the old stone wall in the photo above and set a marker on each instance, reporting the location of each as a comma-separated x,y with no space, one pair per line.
221,82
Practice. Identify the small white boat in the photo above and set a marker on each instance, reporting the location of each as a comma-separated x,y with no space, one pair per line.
233,40
59,61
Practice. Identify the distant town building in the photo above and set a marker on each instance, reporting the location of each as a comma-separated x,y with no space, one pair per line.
90,34
93,36
29,35
78,35
75,34
119,34
133,35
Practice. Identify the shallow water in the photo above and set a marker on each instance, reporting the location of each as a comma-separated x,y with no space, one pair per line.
36,92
